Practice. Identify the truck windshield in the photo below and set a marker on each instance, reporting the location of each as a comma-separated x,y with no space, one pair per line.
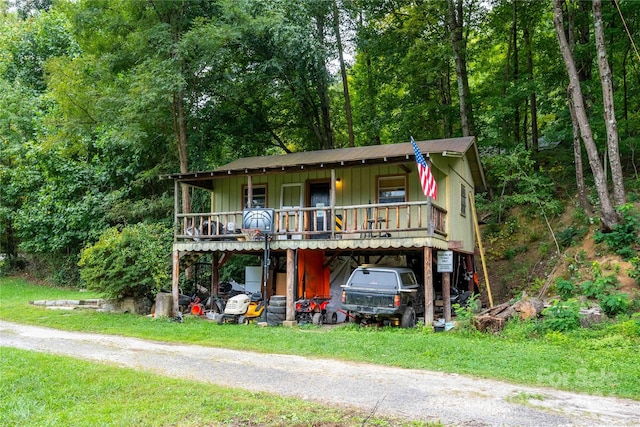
374,279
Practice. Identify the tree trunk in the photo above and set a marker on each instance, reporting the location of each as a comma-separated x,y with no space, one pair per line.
609,111
322,86
609,218
456,25
577,156
514,40
343,72
371,97
445,98
532,95
180,131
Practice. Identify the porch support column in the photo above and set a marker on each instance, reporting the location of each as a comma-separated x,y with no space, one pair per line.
177,227
174,282
215,276
332,203
291,271
446,296
249,192
428,287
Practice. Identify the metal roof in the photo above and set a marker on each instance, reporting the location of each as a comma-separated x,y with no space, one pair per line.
341,158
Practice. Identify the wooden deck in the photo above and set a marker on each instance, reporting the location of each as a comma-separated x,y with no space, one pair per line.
404,220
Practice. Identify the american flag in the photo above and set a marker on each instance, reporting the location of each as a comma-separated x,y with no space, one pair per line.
428,182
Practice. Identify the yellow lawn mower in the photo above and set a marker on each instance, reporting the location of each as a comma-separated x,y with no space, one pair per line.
242,309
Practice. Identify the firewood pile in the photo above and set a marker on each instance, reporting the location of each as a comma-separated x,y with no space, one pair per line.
493,319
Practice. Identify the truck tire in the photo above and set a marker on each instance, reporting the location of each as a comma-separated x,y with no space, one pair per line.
274,319
276,309
278,300
408,318
277,317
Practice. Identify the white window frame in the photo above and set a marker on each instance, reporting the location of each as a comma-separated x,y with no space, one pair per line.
245,195
381,187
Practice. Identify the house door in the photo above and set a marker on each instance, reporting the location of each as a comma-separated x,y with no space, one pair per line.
319,196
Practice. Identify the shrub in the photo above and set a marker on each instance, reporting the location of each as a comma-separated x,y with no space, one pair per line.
629,328
599,287
134,262
615,303
624,236
517,329
565,287
569,235
464,315
562,315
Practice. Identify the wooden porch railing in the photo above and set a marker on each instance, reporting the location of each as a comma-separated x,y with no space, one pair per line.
356,221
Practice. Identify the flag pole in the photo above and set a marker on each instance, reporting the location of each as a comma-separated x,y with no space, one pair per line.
429,209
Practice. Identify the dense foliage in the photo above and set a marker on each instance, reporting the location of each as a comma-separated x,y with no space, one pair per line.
132,262
98,98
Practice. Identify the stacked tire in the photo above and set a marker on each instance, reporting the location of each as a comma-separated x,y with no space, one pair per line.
276,310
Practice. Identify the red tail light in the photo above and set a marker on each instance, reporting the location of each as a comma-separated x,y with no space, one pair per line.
396,301
344,296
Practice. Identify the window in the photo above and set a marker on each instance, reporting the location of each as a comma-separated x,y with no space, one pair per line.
463,200
392,189
259,196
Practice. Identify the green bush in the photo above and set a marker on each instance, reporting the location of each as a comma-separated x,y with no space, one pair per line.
599,287
517,329
623,238
615,303
134,262
566,237
464,315
518,183
562,315
565,288
629,328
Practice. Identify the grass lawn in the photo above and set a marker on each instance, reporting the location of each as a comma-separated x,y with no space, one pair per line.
45,390
603,362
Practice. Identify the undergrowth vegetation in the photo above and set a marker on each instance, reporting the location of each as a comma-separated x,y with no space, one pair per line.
539,240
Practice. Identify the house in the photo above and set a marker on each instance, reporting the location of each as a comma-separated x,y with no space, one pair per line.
364,203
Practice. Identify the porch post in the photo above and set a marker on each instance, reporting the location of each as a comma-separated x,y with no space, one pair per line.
332,202
176,209
249,192
291,271
175,292
428,287
446,296
215,276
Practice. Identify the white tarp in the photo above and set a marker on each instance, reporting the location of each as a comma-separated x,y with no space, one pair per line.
340,271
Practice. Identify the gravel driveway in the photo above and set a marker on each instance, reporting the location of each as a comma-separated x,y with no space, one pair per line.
411,394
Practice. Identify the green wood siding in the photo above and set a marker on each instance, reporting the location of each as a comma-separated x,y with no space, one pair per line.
358,186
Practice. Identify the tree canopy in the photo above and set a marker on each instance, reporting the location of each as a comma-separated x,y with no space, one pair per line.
100,97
